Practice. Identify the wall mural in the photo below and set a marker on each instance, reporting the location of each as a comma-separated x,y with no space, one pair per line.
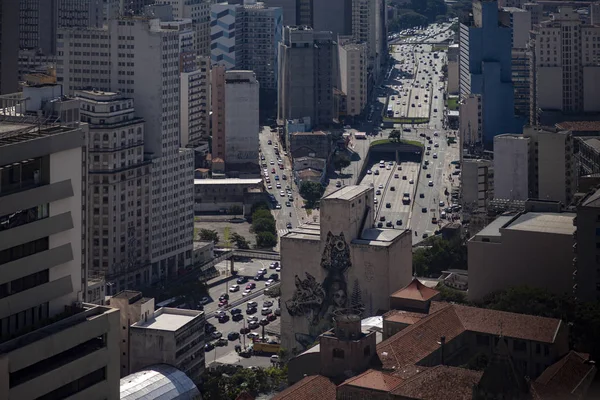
316,301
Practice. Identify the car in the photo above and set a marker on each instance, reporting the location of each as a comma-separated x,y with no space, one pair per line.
393,188
442,204
378,192
244,330
398,222
237,317
396,176
284,176
424,209
274,265
216,335
429,175
253,325
282,193
251,310
274,358
404,177
288,225
272,162
252,319
271,317
233,336
262,271
204,300
266,311
223,303
382,218
269,142
278,311
241,280
250,286
278,269
425,236
428,147
388,205
269,282
246,292
427,153
425,166
224,296
253,335
223,319
436,145
264,322
275,277
435,109
278,186
338,184
376,172
369,172
434,155
234,288
435,97
209,346
267,303
430,183
380,224
220,313
412,181
221,342
258,277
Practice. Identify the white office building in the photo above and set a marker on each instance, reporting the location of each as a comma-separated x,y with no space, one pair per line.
353,76
199,12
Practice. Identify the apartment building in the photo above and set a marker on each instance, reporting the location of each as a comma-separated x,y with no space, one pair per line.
123,57
533,249
470,121
365,23
246,37
169,336
9,47
511,167
195,103
304,12
353,76
53,345
288,8
567,69
199,12
485,69
217,86
308,61
453,60
38,25
118,191
477,178
536,11
586,259
521,75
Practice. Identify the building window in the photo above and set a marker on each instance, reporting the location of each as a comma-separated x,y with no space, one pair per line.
338,353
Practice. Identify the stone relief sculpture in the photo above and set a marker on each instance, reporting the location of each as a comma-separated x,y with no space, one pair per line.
307,300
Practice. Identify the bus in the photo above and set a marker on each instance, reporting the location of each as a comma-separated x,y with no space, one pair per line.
390,111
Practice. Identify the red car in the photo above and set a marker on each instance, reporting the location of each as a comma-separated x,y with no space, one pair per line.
273,170
271,317
223,303
250,286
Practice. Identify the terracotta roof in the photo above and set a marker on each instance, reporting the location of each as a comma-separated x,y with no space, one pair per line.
315,387
579,125
217,160
403,317
308,172
374,380
441,382
415,290
408,371
567,378
412,344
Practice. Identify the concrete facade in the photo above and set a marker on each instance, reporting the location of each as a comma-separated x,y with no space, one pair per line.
453,62
341,263
241,117
199,12
485,69
195,103
118,233
288,8
477,183
136,48
214,195
52,344
470,120
322,19
217,99
308,61
533,249
170,336
353,76
585,250
9,47
511,167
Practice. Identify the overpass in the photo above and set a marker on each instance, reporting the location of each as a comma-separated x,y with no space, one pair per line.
230,254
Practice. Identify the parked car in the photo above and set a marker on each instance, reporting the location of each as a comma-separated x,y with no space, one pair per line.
222,342
266,311
209,346
267,303
233,336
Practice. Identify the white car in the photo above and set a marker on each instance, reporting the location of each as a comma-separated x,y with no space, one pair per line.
412,181
262,271
380,186
269,282
278,185
278,269
369,172
282,193
272,162
269,187
266,311
278,206
246,292
253,335
430,183
234,288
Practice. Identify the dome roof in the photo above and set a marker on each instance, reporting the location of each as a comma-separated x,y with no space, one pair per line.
158,381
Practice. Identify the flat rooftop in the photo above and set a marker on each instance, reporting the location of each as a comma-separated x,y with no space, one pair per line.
379,237
13,133
557,223
228,181
348,192
493,229
168,319
308,231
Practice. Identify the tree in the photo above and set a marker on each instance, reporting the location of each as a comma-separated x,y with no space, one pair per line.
235,210
311,192
259,206
239,241
229,381
441,255
340,162
209,235
395,136
266,240
261,214
263,225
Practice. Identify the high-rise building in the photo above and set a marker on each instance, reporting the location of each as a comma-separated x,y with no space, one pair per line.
353,76
304,12
536,11
485,69
511,167
217,86
195,103
38,25
308,62
246,37
53,345
288,8
521,75
585,261
199,12
567,69
118,190
323,11
132,56
9,46
365,24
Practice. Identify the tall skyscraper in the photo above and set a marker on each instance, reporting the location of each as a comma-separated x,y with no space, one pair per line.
217,85
38,22
485,69
304,12
52,345
9,46
323,11
353,76
566,68
199,12
137,49
288,8
308,62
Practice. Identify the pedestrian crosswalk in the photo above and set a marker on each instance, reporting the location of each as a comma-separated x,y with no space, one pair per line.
282,232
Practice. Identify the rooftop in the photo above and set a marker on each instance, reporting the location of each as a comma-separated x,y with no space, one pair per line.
582,126
592,142
415,290
440,382
562,379
169,319
314,387
374,380
227,181
379,237
557,223
13,133
403,317
592,199
158,381
348,193
493,229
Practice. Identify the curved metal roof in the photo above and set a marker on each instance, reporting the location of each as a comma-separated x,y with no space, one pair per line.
159,381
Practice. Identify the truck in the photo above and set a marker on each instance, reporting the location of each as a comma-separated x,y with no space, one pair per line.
265,348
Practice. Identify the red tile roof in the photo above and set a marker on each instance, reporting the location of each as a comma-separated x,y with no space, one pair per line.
585,126
441,382
566,379
415,290
404,317
374,380
494,322
315,387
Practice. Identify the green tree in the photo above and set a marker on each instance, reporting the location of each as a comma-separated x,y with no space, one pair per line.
239,241
235,210
263,205
208,235
311,192
340,162
263,225
261,214
395,136
439,256
266,240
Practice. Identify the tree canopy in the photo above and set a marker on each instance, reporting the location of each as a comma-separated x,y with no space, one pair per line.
311,192
228,382
395,136
209,235
441,255
340,162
